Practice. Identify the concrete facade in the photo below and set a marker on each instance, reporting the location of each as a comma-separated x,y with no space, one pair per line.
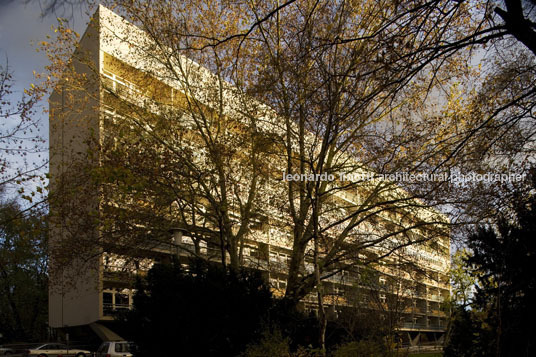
98,289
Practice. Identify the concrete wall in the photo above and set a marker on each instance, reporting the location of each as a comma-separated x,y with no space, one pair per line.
74,292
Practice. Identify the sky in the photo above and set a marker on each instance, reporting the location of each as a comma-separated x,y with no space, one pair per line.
21,28
21,25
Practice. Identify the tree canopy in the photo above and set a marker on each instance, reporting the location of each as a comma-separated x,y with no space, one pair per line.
23,274
502,310
236,95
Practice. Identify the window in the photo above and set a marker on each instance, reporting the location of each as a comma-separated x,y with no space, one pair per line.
382,280
279,257
107,298
103,348
107,303
122,347
121,300
383,298
278,283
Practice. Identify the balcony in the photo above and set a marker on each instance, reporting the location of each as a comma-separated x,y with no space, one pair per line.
421,326
116,300
122,87
140,96
110,309
434,297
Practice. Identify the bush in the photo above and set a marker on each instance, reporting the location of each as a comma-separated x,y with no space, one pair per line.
202,311
271,344
363,348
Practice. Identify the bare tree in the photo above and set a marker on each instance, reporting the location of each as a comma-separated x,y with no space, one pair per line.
240,97
21,143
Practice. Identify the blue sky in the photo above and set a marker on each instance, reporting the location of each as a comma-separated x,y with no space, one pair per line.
21,27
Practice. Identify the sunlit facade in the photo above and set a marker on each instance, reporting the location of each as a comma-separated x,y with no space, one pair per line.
409,286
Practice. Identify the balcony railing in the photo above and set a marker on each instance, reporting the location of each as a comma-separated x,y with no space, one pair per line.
110,309
422,326
131,92
118,84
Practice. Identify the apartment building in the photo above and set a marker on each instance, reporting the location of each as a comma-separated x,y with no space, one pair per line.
408,286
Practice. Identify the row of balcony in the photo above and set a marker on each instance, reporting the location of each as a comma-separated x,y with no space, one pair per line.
422,326
424,311
110,309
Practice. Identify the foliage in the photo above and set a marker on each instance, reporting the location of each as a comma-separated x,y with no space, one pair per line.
212,311
23,227
274,344
367,348
363,348
305,69
208,165
461,280
502,260
204,310
468,336
271,344
23,273
20,140
211,165
302,88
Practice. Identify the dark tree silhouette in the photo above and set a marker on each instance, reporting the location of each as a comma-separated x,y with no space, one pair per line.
503,260
200,311
23,273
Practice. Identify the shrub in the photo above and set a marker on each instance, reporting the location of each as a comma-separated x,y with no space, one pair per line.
201,311
363,348
271,344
